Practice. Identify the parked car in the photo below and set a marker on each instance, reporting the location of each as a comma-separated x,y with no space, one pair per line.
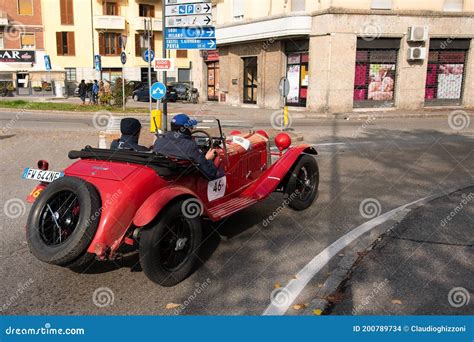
182,90
143,95
157,203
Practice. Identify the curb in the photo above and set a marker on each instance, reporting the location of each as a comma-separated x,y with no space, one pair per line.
340,273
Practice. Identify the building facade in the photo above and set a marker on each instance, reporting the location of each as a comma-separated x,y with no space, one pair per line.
22,48
341,54
78,30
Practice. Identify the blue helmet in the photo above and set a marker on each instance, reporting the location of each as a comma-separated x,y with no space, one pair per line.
184,121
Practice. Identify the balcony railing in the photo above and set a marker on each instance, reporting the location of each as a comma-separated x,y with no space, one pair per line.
109,22
139,25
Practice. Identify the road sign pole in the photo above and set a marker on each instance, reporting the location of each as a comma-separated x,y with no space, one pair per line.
148,31
165,104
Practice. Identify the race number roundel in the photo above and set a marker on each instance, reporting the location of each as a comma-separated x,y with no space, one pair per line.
216,189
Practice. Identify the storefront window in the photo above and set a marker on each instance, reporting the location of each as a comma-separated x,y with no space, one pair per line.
297,74
375,74
446,71
71,74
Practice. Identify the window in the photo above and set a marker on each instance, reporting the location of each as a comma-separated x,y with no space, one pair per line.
110,8
146,11
298,5
1,40
25,7
181,53
71,74
184,75
109,44
28,41
238,9
381,4
65,44
67,14
141,44
453,5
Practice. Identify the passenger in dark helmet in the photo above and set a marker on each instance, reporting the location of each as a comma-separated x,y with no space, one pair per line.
130,129
179,143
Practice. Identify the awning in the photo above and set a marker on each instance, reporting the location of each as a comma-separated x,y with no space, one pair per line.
5,68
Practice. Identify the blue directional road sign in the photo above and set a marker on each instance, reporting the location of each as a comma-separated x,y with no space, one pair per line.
190,32
158,91
145,55
190,44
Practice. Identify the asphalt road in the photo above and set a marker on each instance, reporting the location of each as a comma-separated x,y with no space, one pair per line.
393,161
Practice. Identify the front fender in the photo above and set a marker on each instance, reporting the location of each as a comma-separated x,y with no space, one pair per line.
270,180
156,202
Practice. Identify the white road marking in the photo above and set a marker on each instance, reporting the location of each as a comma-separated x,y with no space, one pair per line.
303,277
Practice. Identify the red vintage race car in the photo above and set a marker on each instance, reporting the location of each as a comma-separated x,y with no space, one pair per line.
108,199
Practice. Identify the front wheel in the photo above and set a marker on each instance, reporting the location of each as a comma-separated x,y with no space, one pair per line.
302,186
168,250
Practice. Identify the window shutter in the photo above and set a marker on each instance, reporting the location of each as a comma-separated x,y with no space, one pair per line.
101,44
69,12
71,44
62,9
152,11
58,44
117,44
138,48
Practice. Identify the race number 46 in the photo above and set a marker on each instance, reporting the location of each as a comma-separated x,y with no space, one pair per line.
216,189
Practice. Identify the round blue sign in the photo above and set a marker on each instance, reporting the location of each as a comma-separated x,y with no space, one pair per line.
123,58
158,91
145,56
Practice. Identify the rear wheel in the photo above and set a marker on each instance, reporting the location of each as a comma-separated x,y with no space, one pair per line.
168,250
303,183
63,221
136,98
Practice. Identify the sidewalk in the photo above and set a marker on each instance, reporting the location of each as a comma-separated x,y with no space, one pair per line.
243,112
422,267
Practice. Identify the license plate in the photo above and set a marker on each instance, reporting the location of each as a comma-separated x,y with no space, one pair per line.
41,175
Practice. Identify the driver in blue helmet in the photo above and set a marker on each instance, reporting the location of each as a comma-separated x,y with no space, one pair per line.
179,143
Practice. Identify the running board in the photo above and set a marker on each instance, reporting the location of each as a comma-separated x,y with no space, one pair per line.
230,207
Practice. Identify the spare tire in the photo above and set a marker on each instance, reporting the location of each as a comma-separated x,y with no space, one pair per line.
63,221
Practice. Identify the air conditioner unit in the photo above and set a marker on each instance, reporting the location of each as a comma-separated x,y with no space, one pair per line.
417,33
416,53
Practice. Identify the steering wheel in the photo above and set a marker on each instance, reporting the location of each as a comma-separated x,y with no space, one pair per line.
203,140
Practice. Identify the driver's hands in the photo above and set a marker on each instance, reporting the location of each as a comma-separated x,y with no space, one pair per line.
211,154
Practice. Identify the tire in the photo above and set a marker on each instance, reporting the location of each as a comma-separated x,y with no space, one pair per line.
303,183
61,236
159,242
136,98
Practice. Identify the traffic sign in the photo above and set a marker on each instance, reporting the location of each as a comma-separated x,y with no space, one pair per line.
97,63
164,64
158,91
123,57
145,56
188,9
189,21
191,44
183,2
47,62
190,32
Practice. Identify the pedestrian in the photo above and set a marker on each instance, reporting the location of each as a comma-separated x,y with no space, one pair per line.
101,93
95,92
83,91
